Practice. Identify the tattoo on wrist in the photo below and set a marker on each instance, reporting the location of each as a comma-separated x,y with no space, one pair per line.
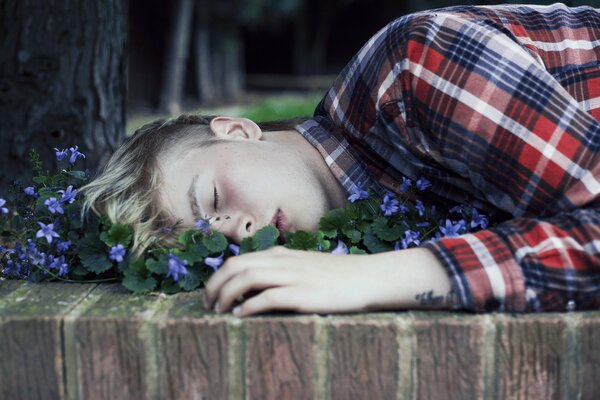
432,299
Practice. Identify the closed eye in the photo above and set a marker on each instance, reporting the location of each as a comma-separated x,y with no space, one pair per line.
216,198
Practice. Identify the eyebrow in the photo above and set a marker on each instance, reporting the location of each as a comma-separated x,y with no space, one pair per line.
191,193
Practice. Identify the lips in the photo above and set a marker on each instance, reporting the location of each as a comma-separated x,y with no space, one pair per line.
281,222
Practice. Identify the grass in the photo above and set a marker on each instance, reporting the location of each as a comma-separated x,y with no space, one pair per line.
267,108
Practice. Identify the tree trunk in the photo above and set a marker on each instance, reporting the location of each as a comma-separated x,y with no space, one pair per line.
62,81
227,53
202,53
301,39
176,57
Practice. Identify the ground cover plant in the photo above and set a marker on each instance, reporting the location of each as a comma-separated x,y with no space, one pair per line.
43,237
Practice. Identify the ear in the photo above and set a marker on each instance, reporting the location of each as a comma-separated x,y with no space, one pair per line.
239,128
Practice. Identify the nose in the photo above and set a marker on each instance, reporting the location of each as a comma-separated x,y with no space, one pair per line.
237,227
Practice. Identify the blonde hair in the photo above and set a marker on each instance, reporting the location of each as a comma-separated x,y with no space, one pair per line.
126,189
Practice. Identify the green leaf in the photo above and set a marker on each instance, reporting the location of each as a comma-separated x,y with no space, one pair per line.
384,232
94,254
373,244
302,240
266,237
330,233
353,234
247,245
337,218
195,253
137,279
118,233
160,266
356,250
188,237
190,281
40,180
169,286
321,241
80,271
79,175
216,242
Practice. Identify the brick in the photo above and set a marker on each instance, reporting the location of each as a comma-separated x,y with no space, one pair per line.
530,355
363,359
107,352
589,357
31,357
280,359
193,362
447,357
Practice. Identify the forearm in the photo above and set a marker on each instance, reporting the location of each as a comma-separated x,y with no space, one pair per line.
410,279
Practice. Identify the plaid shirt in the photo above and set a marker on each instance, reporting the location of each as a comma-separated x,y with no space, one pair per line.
498,107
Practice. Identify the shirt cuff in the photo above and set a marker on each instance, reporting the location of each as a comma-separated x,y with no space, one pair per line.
484,273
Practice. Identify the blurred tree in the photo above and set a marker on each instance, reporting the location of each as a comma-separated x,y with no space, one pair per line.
176,56
62,80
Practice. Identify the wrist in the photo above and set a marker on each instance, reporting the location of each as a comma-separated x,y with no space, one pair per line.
411,279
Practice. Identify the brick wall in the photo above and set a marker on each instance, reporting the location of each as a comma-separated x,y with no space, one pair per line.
88,341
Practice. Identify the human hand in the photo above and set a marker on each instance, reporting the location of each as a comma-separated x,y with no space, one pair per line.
293,280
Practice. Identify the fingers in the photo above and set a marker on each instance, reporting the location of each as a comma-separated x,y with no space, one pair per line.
248,279
280,298
235,265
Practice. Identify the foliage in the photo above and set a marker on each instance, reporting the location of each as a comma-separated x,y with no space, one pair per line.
44,239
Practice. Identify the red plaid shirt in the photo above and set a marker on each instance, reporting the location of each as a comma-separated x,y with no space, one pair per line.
498,107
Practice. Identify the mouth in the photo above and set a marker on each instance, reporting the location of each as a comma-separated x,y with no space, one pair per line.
281,222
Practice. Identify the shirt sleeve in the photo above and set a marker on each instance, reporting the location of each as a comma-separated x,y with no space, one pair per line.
471,102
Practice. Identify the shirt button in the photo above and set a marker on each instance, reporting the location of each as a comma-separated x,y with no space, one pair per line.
571,305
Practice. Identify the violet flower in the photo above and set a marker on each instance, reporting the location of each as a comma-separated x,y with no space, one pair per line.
176,266
214,262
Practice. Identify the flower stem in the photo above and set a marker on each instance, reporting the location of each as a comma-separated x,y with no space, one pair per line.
76,281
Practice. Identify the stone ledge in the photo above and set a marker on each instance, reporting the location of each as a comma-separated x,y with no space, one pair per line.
89,341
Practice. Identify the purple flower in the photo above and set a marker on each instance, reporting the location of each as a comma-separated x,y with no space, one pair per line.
54,205
423,183
60,154
176,267
405,184
165,229
59,264
46,231
203,226
410,237
455,209
37,257
452,229
478,220
235,249
30,191
68,195
214,262
341,249
75,154
403,209
117,253
423,224
420,207
357,193
389,205
61,247
3,210
397,246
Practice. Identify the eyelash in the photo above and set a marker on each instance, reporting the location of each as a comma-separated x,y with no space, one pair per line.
216,198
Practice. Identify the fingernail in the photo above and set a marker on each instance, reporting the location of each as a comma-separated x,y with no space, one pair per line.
218,307
236,310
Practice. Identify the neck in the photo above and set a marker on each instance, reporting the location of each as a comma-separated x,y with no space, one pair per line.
336,193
